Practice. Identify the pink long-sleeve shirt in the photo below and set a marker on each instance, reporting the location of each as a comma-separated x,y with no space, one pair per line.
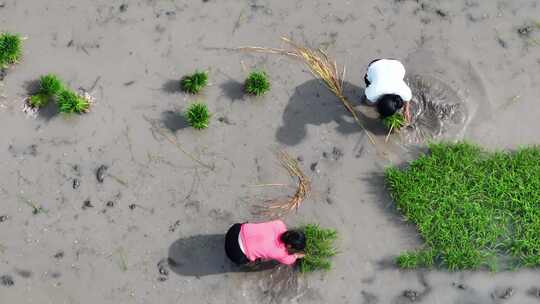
262,241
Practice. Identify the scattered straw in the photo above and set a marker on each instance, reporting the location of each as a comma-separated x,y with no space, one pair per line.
281,206
322,67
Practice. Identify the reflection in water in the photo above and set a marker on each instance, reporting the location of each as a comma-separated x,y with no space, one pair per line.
437,111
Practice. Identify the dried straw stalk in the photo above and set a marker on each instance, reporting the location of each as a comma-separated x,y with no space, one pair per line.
278,207
322,67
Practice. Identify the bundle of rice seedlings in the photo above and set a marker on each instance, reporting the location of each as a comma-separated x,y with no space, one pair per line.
319,248
279,207
198,115
71,102
257,83
194,83
394,123
10,49
322,67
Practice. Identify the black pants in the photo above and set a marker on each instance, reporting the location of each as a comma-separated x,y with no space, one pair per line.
232,248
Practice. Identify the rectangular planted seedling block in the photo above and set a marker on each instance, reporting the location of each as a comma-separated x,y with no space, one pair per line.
473,208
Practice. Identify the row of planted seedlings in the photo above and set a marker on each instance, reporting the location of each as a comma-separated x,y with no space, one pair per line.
197,114
53,89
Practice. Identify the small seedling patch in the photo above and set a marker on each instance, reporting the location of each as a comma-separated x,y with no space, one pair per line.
257,83
10,49
198,115
319,248
194,83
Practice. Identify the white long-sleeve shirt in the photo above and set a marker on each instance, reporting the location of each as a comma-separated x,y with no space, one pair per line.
386,77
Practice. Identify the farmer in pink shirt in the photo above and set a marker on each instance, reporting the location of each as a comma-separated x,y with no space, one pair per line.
247,243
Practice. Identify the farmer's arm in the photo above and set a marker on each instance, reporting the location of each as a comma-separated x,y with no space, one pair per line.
407,112
289,259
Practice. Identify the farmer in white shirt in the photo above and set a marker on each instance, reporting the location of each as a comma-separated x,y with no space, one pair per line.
386,88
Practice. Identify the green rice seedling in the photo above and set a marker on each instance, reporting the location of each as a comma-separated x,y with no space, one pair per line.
50,85
198,115
257,83
70,102
319,248
473,208
394,122
38,101
194,83
10,49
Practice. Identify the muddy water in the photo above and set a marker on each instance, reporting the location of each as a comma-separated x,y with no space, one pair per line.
448,96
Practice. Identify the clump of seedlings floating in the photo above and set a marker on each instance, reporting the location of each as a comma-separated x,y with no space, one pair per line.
319,249
473,208
198,115
52,88
194,83
257,83
10,49
277,208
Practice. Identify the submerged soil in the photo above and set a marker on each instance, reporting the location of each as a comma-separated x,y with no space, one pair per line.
68,237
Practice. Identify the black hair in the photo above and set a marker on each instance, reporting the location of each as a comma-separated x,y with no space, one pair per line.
389,104
295,239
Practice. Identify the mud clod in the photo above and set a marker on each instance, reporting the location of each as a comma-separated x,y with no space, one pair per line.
110,204
123,7
101,172
503,293
59,254
76,183
337,153
412,295
525,31
3,218
6,280
87,204
132,206
313,166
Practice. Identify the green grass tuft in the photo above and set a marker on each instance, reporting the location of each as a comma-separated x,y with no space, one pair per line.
50,85
474,209
198,115
319,248
70,102
194,83
10,49
257,83
394,122
38,100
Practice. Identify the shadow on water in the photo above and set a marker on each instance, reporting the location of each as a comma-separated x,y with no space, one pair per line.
203,255
313,104
233,90
379,190
174,121
172,86
47,112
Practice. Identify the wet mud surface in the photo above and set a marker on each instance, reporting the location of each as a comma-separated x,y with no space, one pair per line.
111,207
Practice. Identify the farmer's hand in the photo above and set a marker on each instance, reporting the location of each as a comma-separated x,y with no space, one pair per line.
299,255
